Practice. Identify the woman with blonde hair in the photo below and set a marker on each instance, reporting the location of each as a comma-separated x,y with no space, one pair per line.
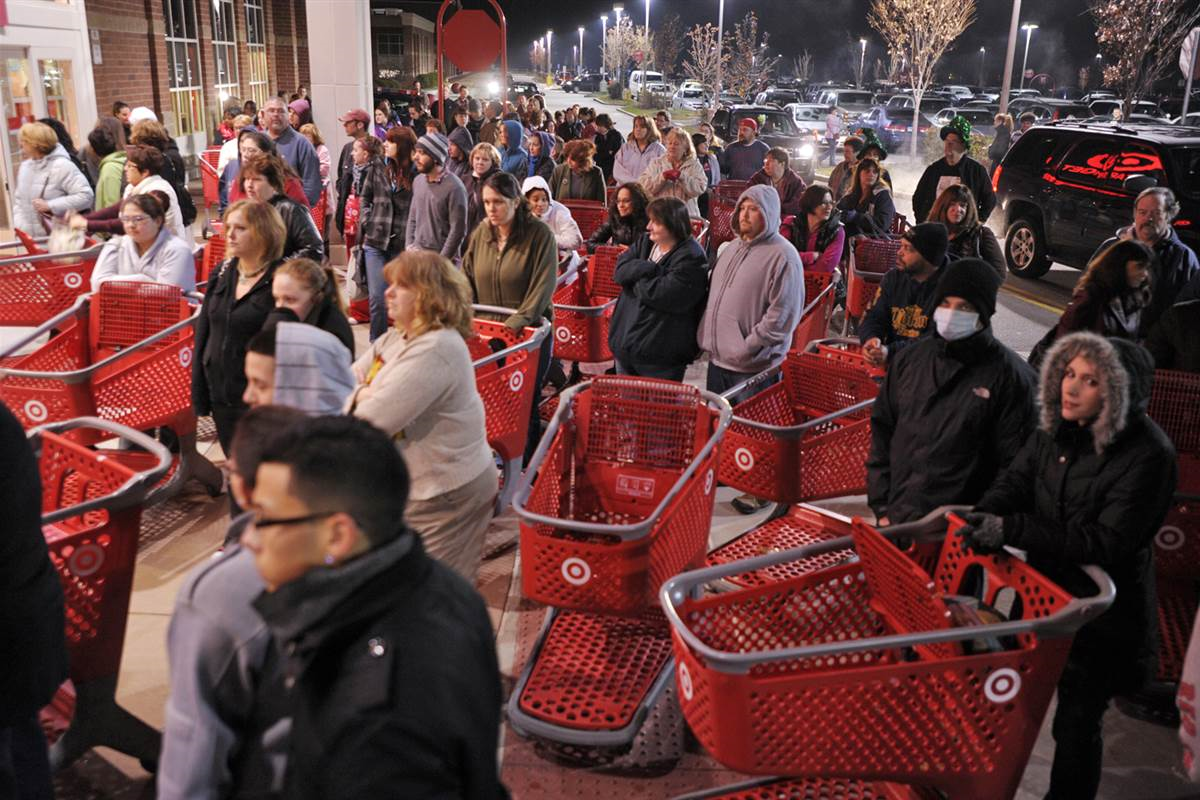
48,182
485,161
235,306
642,147
310,289
417,384
676,173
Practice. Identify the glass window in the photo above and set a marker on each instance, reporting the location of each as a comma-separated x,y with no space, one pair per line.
1105,163
1187,165
59,88
183,50
256,46
224,49
18,98
391,45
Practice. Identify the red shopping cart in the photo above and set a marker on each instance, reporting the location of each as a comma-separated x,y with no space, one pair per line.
36,287
320,212
814,789
804,437
600,268
210,183
818,309
505,377
581,321
208,259
796,526
589,215
720,211
123,354
700,231
91,514
870,260
873,668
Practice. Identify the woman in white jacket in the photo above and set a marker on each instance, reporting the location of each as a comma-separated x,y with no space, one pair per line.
676,173
48,183
639,150
554,214
149,250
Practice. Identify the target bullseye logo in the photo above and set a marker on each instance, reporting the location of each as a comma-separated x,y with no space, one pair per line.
36,411
744,459
516,381
86,560
1169,538
72,280
685,682
708,482
1002,685
576,571
185,357
562,334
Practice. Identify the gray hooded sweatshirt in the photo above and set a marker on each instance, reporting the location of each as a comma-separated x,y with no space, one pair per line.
755,296
312,369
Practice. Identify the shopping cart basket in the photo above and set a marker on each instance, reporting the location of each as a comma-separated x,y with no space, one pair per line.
34,288
796,526
123,354
208,259
506,378
805,437
814,789
581,321
624,493
870,260
589,215
91,514
720,212
600,268
700,232
858,671
818,309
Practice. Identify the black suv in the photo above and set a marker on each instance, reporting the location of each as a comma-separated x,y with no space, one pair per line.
587,82
775,127
1065,187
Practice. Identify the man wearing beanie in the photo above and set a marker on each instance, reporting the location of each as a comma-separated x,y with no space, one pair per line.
953,168
954,408
904,304
437,218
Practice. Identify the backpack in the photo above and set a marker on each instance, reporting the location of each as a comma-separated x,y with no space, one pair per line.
187,209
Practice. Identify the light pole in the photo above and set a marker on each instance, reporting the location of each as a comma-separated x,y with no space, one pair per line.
647,16
720,38
603,38
982,56
1029,28
617,9
549,59
862,61
581,48
1010,54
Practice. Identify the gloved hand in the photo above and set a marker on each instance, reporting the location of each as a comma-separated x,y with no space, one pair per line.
984,533
671,174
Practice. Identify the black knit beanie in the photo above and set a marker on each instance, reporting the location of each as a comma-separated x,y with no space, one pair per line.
931,240
972,279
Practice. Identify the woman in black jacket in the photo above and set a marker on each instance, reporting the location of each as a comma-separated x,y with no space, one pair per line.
627,218
311,291
262,179
969,238
1091,486
664,285
235,306
868,210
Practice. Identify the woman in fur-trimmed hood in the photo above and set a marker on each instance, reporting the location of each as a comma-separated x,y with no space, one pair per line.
1091,486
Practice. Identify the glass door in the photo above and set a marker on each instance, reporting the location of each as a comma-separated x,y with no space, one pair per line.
17,95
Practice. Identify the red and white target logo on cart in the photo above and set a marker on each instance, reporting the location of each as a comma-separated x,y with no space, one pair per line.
35,410
744,459
562,334
516,381
576,571
708,482
185,357
86,560
72,280
685,682
1002,685
1169,538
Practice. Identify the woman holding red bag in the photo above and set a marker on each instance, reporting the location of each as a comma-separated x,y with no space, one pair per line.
677,173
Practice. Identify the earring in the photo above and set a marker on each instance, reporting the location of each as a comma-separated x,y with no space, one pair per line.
329,560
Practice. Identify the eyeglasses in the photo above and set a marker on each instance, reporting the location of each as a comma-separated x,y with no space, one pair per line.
260,522
134,221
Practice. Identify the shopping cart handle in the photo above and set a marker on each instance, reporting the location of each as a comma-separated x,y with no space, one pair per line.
130,493
89,252
676,591
833,341
532,343
751,386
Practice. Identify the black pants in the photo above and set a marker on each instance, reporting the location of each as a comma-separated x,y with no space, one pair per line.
226,419
721,380
25,762
668,372
535,421
1084,692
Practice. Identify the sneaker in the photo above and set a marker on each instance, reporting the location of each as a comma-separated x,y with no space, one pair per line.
749,504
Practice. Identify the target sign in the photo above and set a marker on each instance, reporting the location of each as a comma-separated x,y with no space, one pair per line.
516,381
562,334
744,459
708,482
1002,685
86,560
576,571
36,411
1169,538
185,357
685,682
72,280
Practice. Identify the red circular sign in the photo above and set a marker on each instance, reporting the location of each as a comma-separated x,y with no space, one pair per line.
471,39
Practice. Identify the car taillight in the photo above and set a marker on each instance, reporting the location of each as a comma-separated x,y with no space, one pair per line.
996,178
895,127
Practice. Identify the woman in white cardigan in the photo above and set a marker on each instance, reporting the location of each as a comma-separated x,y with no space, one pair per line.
417,384
149,250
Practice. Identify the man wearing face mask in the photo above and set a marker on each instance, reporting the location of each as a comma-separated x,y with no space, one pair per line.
904,304
954,408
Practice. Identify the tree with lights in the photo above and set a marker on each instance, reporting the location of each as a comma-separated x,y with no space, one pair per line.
920,32
750,62
1141,40
622,41
701,62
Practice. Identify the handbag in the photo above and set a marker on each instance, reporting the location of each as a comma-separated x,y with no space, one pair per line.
351,219
356,277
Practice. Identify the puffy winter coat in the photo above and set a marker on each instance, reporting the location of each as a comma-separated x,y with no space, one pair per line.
661,303
558,218
55,179
949,417
978,243
1095,494
691,183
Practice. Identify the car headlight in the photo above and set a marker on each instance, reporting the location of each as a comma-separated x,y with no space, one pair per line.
804,151
493,88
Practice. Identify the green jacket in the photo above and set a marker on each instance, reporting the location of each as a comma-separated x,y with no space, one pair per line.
522,277
111,181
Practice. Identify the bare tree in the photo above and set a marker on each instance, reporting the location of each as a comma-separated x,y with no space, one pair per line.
669,40
702,59
623,41
803,66
921,31
1141,40
750,61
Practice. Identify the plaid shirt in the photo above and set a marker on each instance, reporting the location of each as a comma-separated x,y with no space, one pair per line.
384,208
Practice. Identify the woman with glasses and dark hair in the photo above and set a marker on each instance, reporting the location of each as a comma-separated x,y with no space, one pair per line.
149,250
817,231
627,218
664,285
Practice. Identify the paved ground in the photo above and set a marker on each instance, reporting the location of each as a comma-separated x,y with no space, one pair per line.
1141,760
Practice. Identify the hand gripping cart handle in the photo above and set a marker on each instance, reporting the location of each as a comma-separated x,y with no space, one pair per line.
856,670
91,518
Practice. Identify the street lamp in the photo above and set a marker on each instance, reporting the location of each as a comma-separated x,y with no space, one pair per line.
720,39
862,61
647,16
1029,28
549,60
603,38
617,9
581,48
982,56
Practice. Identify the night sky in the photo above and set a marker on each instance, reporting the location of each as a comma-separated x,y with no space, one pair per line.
829,29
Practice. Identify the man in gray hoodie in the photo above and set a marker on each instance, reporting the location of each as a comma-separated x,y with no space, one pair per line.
755,296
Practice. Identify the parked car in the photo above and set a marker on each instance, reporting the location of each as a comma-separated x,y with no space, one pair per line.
1193,120
853,101
585,82
522,88
982,120
1096,94
779,97
640,77
775,127
893,122
808,116
1066,187
1047,109
692,97
958,92
1105,108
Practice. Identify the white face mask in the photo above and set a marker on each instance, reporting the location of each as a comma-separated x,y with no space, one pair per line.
953,325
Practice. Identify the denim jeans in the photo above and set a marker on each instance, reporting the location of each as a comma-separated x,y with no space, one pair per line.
376,285
832,153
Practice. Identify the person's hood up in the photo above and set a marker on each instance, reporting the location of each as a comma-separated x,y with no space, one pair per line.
312,369
768,200
462,137
535,182
1126,372
547,144
515,134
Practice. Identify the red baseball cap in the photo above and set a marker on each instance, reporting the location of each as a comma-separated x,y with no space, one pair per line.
356,115
748,122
